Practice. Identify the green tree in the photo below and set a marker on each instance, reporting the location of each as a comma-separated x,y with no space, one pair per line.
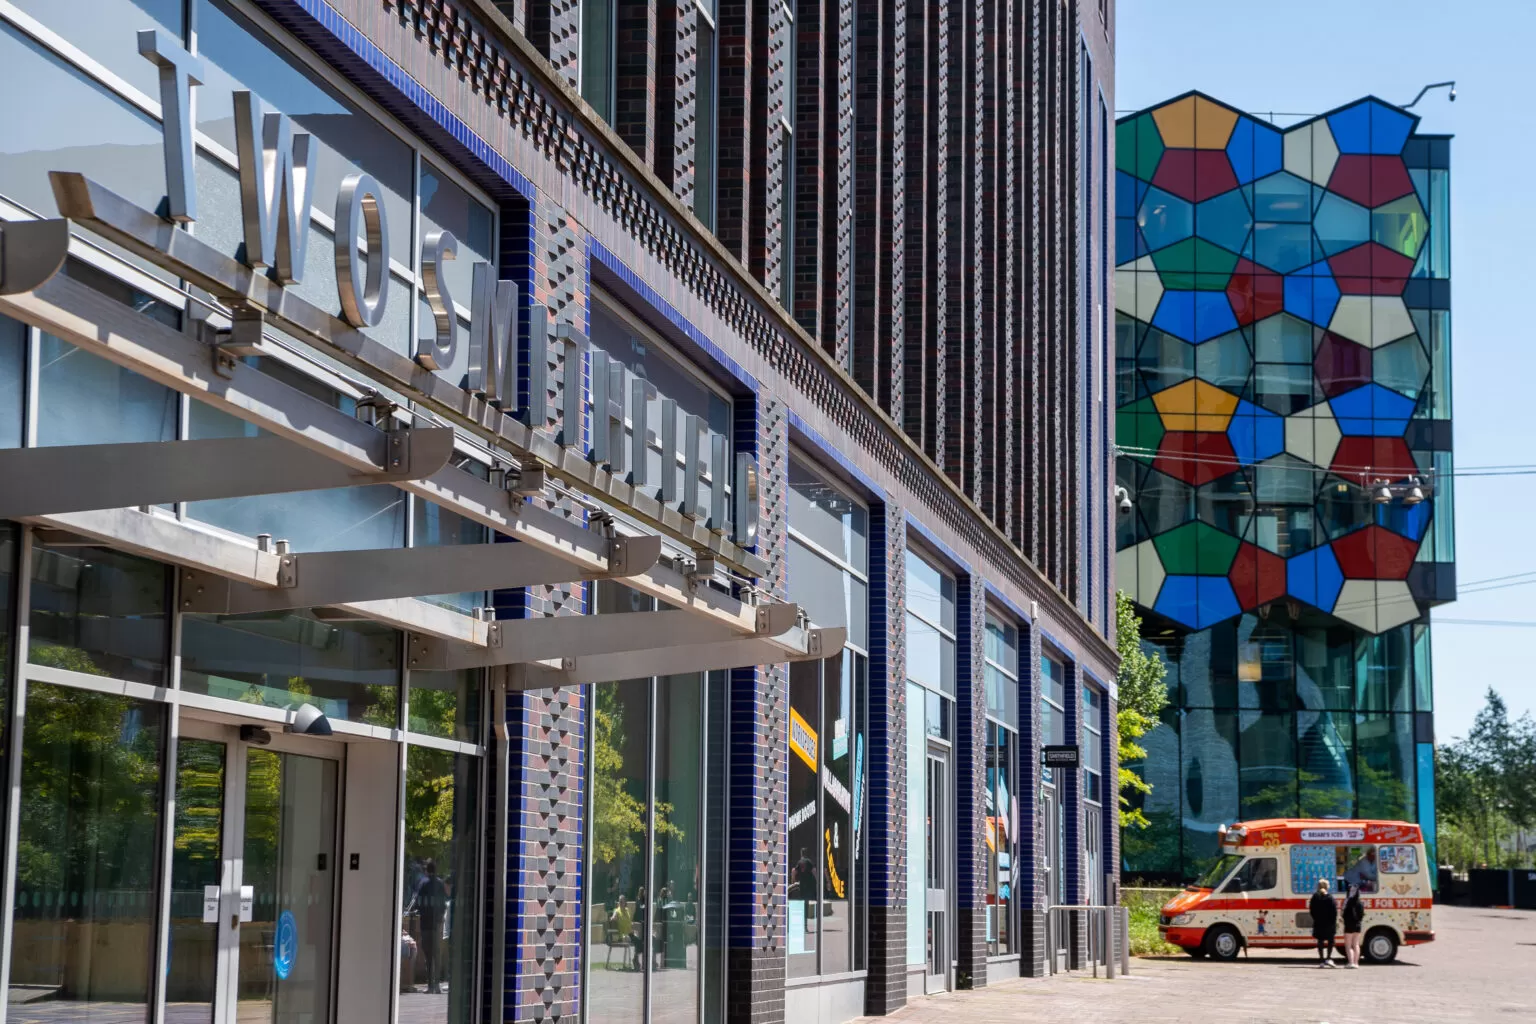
1485,789
1142,696
618,815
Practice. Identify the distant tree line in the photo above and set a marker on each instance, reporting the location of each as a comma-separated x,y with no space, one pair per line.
1485,791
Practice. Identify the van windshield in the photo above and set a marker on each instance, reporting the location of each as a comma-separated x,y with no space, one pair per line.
1218,871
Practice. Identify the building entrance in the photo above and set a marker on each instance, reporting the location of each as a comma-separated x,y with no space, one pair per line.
254,877
940,955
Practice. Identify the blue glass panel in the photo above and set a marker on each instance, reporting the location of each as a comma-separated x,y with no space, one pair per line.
1179,600
1282,197
1125,240
1351,128
1129,192
1165,218
1408,520
1372,410
1314,576
1240,150
1216,600
1341,224
1176,314
1282,247
1212,314
1255,433
1389,129
1313,298
1425,758
1225,220
1268,150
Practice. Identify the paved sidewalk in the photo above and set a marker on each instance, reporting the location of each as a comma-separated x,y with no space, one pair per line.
1482,968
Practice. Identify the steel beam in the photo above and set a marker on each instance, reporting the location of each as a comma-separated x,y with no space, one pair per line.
517,641
320,578
89,320
80,478
31,251
797,645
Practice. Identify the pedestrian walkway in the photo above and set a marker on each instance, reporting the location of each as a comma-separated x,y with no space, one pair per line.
1482,968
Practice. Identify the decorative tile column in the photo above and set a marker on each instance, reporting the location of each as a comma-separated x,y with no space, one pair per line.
970,781
886,986
1029,877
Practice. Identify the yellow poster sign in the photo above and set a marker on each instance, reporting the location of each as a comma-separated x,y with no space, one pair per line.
802,738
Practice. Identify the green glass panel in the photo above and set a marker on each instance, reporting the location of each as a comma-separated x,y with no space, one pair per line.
1139,426
1138,146
1196,549
1400,226
1194,263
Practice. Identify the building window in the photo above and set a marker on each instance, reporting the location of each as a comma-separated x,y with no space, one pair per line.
828,577
930,636
653,889
705,129
1002,837
598,62
1093,746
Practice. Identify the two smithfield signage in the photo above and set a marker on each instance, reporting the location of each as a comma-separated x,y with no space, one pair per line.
276,189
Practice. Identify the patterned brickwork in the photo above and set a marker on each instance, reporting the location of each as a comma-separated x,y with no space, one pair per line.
1030,878
891,389
757,863
1075,864
768,168
886,987
971,848
808,245
1111,789
838,317
635,93
871,229
918,395
553,29
677,64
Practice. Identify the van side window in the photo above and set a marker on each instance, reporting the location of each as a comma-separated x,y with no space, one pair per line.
1357,866
1257,875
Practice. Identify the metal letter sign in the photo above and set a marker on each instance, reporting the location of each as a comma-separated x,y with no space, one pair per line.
1063,756
362,284
276,187
277,178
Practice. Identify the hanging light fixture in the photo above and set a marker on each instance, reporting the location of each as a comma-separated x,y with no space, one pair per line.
1415,492
1381,494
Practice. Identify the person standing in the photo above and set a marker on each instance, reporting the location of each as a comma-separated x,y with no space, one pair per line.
1354,915
1325,922
431,904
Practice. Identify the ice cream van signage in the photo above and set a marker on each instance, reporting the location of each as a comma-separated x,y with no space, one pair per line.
1332,835
276,193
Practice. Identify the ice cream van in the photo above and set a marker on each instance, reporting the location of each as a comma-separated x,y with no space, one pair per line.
1256,893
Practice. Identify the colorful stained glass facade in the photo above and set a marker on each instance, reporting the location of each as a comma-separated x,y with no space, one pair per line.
1283,424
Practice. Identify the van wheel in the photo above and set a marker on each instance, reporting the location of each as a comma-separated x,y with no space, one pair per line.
1380,946
1223,943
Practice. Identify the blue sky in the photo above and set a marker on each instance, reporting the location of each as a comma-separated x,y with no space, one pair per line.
1308,56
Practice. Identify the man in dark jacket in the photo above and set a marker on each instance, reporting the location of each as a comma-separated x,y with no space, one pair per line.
1325,922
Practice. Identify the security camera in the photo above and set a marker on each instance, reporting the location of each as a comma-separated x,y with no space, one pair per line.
1453,96
311,721
1123,498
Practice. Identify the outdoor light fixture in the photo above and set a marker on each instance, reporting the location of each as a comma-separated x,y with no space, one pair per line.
1415,492
310,721
1381,494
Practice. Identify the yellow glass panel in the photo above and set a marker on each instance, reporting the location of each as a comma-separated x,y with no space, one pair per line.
1213,124
1195,405
1176,123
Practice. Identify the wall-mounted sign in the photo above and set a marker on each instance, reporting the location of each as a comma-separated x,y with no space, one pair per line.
277,180
802,739
1059,756
1332,835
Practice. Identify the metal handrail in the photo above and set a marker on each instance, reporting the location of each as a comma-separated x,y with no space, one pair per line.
1107,937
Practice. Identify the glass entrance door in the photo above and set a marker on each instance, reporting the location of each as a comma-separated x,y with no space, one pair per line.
939,954
253,879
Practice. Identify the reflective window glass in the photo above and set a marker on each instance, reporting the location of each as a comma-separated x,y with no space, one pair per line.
620,907
87,889
1210,782
349,670
1268,771
108,32
930,655
1387,766
826,516
1383,671
832,595
83,399
441,878
446,704
99,611
432,525
1154,850
339,519
930,593
1326,764
13,381
122,151
679,853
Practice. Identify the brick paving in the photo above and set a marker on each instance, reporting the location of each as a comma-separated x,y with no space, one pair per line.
1481,968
